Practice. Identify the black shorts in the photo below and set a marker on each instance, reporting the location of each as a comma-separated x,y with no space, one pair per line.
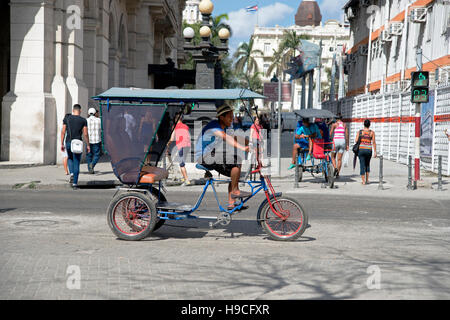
225,167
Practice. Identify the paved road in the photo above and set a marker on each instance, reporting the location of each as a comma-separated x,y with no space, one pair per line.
355,244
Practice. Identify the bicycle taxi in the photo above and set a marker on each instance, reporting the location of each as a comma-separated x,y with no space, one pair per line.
136,127
320,159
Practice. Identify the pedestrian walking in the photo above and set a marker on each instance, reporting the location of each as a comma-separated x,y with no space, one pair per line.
64,156
94,131
367,142
256,139
76,127
182,140
339,134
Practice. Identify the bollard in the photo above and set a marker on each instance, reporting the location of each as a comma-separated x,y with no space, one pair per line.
380,184
296,172
409,186
439,173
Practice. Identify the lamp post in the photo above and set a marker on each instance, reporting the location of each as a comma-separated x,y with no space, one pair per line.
206,54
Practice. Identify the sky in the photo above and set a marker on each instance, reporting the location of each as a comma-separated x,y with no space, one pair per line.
270,13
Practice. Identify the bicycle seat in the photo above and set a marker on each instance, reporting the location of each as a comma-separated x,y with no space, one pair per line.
153,174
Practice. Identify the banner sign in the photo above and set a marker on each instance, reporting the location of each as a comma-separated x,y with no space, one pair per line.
270,91
426,127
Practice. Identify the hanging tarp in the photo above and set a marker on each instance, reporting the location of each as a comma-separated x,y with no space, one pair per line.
305,62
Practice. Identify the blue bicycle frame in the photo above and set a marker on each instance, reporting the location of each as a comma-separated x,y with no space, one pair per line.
256,187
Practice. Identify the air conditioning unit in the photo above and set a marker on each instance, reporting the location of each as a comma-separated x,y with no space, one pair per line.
405,84
394,86
385,36
444,75
363,50
365,3
375,48
419,15
395,28
350,14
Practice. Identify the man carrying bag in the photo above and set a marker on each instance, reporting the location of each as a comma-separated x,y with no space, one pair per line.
76,126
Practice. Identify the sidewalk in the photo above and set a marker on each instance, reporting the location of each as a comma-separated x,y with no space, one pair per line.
15,176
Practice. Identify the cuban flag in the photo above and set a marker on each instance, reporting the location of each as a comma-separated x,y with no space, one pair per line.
252,8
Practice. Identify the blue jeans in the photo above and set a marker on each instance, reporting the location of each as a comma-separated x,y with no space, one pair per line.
364,156
73,162
93,156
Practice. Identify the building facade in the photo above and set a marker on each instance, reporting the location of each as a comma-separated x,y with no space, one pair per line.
191,13
59,53
396,29
332,34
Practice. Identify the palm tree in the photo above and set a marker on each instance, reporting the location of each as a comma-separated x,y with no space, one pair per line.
244,54
279,63
217,24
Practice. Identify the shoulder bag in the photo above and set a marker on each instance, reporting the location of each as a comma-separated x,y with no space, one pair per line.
356,145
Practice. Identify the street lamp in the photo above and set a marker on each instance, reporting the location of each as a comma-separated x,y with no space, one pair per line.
206,54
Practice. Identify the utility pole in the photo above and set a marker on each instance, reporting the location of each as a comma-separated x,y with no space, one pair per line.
279,127
319,76
417,126
333,77
341,78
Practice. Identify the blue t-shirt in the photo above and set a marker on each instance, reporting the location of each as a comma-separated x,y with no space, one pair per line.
207,141
307,131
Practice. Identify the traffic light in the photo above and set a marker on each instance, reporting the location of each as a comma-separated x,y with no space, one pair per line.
420,82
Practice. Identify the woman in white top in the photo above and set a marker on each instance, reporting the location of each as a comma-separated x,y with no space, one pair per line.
339,132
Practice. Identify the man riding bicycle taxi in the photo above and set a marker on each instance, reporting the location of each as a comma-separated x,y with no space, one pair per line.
213,154
303,139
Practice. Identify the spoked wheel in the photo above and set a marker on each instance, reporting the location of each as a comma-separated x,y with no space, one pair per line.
300,173
291,226
132,216
331,178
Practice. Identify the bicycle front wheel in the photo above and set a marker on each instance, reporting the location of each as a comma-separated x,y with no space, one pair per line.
291,226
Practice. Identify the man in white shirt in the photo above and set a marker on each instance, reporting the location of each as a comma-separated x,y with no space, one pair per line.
95,139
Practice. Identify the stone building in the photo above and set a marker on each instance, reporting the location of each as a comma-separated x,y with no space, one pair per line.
55,53
333,35
396,29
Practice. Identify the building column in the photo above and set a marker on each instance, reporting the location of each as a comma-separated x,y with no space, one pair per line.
144,47
74,37
29,109
59,87
132,10
90,27
102,48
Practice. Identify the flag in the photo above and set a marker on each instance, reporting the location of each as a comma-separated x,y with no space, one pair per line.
252,8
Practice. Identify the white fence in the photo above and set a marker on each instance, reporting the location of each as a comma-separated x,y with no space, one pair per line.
392,118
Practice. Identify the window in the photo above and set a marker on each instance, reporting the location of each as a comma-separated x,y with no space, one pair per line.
267,48
265,68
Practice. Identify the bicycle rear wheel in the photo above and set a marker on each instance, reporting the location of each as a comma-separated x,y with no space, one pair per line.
132,216
291,227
